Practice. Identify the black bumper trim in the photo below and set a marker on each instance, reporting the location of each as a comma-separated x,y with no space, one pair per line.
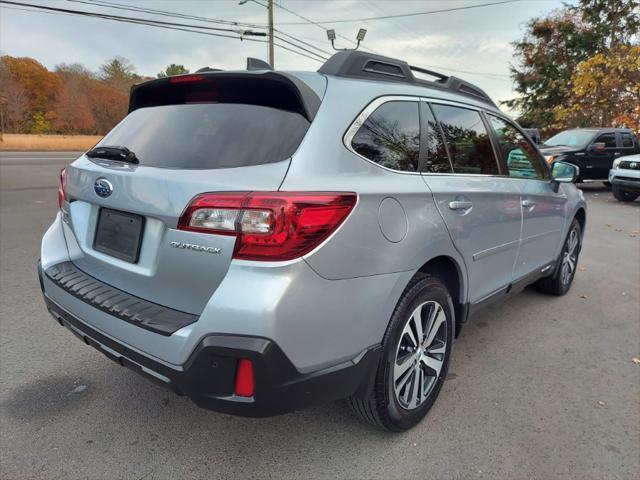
627,184
208,376
115,302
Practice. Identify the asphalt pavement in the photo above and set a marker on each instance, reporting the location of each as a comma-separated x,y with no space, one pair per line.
539,387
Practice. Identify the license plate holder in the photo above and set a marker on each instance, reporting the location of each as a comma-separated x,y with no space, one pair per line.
119,234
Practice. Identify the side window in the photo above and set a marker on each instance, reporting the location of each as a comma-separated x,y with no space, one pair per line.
391,136
467,138
436,153
609,140
627,140
522,158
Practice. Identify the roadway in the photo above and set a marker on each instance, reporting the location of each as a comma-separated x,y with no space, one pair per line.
539,387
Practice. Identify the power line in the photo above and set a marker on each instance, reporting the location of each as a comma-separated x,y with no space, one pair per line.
164,13
306,21
167,13
144,22
399,15
133,19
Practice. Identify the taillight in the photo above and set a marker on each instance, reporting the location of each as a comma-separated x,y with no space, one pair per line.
269,225
244,378
62,189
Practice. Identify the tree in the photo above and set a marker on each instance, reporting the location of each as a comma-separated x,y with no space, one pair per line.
108,106
173,69
73,111
549,53
554,46
605,91
119,73
14,103
39,84
615,22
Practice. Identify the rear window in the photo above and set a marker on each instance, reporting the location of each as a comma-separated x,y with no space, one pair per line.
391,136
209,135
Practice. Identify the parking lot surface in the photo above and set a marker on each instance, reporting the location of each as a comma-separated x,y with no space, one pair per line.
539,387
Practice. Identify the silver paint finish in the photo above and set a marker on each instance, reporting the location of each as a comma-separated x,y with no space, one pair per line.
336,301
392,220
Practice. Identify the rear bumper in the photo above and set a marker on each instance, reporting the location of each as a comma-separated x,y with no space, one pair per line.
208,377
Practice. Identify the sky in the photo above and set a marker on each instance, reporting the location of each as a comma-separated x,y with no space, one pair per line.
474,44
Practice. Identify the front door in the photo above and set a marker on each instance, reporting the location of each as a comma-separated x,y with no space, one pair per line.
598,162
543,209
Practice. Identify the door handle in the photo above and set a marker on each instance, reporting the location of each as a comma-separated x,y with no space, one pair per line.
460,205
528,203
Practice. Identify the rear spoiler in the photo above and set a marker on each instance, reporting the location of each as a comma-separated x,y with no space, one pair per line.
271,89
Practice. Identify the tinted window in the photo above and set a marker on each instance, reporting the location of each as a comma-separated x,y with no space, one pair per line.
609,140
391,136
468,141
571,138
437,158
627,140
521,157
209,135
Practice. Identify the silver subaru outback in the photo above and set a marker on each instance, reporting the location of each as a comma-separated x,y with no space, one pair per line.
262,241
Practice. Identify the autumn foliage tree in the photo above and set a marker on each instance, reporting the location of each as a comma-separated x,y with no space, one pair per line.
69,100
568,66
605,90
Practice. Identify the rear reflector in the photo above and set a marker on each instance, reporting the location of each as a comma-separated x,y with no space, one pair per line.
272,226
244,378
62,189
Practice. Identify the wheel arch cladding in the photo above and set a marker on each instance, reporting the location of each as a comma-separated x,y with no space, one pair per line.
450,273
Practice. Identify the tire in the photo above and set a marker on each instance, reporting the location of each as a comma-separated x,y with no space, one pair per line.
560,282
624,195
392,404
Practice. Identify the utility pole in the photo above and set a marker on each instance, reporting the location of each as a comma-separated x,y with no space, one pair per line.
272,61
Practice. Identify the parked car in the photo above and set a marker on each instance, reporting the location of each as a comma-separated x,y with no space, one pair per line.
592,150
262,241
534,134
625,178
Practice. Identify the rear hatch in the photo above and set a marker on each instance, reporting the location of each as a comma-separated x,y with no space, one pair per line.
211,132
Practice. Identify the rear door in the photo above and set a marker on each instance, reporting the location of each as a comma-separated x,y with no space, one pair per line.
191,137
628,144
597,163
480,207
543,208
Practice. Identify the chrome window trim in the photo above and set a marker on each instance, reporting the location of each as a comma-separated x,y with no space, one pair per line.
377,102
362,117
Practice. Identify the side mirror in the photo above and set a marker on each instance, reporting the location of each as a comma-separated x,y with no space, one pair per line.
598,147
563,172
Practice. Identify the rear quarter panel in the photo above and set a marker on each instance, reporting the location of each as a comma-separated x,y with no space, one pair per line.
322,162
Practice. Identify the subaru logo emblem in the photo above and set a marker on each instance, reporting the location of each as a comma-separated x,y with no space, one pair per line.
103,187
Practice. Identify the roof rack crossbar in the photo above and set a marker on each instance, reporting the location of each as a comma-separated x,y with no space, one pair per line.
438,75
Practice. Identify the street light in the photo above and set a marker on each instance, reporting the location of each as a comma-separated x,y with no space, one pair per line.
331,35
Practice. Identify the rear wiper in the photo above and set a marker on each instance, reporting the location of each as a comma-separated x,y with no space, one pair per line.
113,152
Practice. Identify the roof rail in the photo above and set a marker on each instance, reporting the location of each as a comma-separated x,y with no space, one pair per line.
357,64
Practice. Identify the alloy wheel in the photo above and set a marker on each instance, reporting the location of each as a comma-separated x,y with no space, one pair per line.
569,258
420,355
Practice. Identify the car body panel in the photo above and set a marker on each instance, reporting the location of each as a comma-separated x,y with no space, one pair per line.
333,304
